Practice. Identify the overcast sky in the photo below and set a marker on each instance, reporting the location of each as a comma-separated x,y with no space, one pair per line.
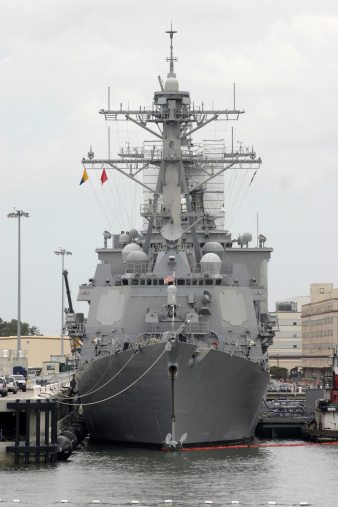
58,59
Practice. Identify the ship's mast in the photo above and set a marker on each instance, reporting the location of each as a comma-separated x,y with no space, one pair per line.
171,182
171,59
176,119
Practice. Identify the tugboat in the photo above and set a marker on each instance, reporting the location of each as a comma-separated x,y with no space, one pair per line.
325,424
174,349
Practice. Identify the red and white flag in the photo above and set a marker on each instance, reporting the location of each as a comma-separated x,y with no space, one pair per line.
169,278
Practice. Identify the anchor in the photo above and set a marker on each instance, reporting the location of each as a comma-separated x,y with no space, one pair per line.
173,445
170,443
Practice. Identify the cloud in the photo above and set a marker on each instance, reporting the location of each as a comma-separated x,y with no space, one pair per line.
57,59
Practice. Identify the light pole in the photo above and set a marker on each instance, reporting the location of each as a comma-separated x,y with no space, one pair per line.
314,381
63,252
18,214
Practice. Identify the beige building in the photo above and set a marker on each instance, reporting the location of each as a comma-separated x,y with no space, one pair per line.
320,329
286,350
37,349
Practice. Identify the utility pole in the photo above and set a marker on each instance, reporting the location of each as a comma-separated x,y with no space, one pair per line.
18,214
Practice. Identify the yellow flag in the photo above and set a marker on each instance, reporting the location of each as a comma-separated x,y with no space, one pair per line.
84,177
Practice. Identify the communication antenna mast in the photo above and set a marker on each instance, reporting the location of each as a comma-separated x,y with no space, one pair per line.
171,59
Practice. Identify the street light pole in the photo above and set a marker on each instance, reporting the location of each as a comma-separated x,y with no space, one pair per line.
63,252
18,214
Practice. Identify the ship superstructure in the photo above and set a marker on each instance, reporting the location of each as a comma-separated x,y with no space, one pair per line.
178,328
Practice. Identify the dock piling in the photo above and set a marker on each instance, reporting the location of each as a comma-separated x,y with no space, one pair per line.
31,409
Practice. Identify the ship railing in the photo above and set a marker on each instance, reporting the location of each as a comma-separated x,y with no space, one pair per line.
180,114
234,349
195,214
75,329
136,267
102,352
266,327
210,268
190,327
156,210
163,247
196,328
8,353
195,268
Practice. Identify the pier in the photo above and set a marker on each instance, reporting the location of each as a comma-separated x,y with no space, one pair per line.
31,421
284,415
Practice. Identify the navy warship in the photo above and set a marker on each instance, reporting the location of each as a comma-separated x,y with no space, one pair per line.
174,349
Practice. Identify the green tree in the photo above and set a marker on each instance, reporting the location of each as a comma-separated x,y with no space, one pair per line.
279,372
34,331
11,328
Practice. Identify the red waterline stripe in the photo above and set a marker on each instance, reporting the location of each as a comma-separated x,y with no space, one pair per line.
250,446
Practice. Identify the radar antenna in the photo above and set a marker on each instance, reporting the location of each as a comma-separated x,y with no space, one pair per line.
172,59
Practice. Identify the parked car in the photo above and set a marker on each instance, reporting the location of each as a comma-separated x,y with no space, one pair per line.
286,389
12,385
3,387
21,382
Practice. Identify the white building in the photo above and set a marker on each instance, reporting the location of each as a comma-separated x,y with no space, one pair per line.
286,350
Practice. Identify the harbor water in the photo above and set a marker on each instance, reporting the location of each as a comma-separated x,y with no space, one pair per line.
95,473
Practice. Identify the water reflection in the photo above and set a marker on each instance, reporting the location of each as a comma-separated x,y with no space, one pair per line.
116,476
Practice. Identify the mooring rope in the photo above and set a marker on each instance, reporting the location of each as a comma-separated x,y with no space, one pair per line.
91,391
123,390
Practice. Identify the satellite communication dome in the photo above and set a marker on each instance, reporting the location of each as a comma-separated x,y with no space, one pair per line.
211,263
243,239
247,236
213,247
171,84
133,233
131,247
137,262
124,238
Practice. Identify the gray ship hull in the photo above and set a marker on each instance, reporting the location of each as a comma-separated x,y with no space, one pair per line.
217,397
